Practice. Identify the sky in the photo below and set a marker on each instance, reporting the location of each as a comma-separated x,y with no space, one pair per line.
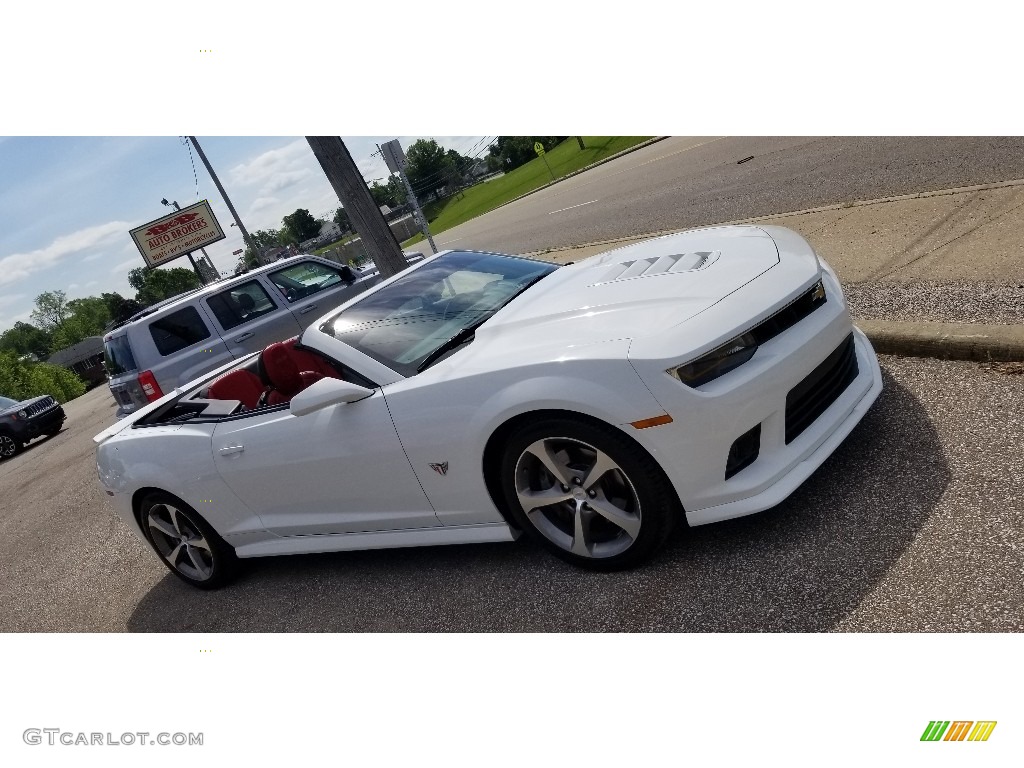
65,219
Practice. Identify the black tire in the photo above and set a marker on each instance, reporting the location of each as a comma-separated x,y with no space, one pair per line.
9,447
170,525
577,524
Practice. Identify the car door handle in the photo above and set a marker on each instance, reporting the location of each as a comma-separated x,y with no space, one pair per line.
229,449
308,308
244,336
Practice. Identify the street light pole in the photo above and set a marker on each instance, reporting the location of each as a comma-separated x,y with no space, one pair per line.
223,194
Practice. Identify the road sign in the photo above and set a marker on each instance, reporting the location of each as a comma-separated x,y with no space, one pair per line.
393,155
177,234
538,148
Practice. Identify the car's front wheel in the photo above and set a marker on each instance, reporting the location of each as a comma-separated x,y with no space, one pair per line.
186,543
586,494
9,446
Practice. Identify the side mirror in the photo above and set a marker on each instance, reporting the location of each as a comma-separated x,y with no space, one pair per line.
325,393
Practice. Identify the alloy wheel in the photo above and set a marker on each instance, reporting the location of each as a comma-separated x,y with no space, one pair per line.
577,497
180,542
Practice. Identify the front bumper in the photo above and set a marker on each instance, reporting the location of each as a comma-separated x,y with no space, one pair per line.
49,421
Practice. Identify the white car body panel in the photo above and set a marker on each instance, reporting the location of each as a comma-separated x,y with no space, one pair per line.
596,338
322,454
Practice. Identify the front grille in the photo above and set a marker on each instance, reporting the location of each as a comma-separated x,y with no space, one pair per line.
809,399
40,407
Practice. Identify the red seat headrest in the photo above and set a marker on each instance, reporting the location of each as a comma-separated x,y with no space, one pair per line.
238,385
281,370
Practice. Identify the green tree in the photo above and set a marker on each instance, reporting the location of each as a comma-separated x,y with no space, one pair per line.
342,220
51,310
266,238
119,307
21,380
392,194
428,167
87,317
512,151
154,285
300,225
26,339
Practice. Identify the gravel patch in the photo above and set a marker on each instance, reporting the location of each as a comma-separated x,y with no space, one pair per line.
963,301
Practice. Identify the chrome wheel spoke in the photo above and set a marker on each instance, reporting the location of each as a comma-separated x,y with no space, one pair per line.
601,467
532,500
173,513
541,450
172,556
581,533
198,542
202,568
628,522
163,527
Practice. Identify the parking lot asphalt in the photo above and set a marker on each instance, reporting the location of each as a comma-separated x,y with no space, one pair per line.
914,524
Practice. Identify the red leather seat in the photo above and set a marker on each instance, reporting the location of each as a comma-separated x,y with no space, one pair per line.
283,374
307,361
238,385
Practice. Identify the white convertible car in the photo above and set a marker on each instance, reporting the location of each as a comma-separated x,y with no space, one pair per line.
700,376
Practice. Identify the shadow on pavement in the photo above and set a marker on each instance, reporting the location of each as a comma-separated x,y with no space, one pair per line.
800,567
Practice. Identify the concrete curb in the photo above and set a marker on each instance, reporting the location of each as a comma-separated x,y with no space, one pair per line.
946,341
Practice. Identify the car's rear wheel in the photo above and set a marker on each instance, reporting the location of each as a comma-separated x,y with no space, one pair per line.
186,543
9,446
586,494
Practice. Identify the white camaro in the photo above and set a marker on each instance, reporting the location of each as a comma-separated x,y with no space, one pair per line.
703,375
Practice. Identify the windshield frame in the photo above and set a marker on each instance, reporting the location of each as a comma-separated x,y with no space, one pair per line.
403,323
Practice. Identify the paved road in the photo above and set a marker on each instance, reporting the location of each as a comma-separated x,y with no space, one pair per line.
915,524
688,182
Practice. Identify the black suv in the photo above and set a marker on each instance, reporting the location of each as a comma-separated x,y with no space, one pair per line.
21,422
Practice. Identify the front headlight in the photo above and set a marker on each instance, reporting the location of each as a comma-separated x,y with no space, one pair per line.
717,362
22,414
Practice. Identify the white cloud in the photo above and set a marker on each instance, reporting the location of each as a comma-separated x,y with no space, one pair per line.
125,266
262,203
18,266
284,180
265,167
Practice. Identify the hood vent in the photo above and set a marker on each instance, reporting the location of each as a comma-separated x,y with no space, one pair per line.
660,265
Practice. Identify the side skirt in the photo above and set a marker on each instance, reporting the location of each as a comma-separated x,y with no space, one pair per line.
344,542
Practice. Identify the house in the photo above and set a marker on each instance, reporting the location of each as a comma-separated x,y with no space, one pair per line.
84,358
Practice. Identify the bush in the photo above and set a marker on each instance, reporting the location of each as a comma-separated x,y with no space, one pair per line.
21,380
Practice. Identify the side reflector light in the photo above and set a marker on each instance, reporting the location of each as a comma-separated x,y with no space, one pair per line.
656,421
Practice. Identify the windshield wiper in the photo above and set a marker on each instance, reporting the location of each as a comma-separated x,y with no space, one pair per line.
460,338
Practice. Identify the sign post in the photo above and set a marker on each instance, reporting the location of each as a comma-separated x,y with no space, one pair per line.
395,159
539,149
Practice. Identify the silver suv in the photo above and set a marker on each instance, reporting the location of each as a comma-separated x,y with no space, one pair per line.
171,343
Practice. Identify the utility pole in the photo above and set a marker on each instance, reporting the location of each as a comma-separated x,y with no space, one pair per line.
223,194
355,197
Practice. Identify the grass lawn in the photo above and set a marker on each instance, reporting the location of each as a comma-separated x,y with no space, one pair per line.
486,196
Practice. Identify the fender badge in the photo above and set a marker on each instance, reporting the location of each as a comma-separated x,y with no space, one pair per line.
441,469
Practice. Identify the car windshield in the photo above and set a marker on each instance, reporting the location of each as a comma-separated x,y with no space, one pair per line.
405,323
6,402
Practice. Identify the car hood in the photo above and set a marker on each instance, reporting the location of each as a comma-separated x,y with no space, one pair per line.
636,291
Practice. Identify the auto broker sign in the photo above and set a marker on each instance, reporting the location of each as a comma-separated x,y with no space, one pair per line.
179,233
